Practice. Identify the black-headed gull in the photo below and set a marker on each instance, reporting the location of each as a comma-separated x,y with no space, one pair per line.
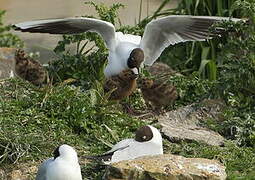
63,166
125,49
147,141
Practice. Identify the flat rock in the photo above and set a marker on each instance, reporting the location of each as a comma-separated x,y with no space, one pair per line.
166,167
7,62
186,122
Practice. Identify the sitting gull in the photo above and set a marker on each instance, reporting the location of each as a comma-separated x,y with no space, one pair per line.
63,166
148,141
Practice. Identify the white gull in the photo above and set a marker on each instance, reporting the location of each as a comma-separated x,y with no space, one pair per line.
158,34
147,141
63,166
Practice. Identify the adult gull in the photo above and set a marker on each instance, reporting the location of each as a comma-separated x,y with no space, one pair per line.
127,50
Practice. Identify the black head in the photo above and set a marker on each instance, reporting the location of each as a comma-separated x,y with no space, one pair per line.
135,59
56,153
143,134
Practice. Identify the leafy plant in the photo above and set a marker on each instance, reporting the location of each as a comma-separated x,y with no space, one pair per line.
34,119
7,39
192,56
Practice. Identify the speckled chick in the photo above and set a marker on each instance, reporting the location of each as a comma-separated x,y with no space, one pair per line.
158,94
121,85
29,69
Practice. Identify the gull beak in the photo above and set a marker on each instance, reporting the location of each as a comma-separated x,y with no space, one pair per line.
135,70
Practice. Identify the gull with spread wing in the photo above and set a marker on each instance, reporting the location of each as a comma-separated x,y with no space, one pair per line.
126,50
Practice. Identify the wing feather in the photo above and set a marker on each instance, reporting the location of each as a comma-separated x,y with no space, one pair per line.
72,25
170,30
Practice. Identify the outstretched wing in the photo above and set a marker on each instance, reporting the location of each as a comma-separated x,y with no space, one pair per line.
170,30
72,25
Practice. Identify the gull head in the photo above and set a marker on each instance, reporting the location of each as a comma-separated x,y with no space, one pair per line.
135,58
65,152
144,134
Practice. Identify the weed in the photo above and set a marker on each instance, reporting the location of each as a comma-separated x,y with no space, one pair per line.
7,39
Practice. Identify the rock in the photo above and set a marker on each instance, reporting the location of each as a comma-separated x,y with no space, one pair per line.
16,175
185,123
166,167
2,174
7,62
23,171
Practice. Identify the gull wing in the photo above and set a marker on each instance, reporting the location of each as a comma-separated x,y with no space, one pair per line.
71,25
121,145
170,30
106,157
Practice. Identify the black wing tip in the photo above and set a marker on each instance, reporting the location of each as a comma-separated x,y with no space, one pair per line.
33,30
16,28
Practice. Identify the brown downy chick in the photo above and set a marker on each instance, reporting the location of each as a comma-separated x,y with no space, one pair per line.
157,93
29,69
121,85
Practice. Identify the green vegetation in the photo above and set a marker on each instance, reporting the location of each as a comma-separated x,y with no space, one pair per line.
7,39
34,121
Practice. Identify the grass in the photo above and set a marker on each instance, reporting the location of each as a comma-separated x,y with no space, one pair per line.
34,121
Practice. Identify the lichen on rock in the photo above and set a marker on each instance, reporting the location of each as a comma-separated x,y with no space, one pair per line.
166,167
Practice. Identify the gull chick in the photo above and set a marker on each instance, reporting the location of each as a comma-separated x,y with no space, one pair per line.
63,166
147,141
126,50
29,69
158,94
121,85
